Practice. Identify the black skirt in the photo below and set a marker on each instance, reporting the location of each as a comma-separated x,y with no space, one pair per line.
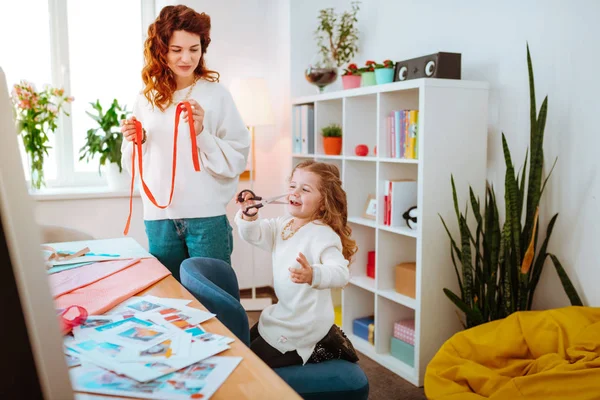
335,345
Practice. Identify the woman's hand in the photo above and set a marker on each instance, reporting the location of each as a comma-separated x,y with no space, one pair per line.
128,129
198,115
304,274
247,202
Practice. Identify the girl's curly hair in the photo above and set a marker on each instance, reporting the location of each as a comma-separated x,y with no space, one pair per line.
333,210
157,76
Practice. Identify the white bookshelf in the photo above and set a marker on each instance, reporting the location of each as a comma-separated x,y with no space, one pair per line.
452,139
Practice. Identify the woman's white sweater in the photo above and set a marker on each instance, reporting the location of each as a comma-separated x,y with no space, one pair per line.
223,149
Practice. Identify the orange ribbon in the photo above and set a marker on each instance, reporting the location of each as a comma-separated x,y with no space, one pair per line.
138,143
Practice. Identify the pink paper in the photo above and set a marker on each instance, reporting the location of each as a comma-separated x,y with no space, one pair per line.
67,281
106,293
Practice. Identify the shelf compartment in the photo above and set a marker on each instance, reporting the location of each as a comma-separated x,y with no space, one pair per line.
326,112
360,123
394,172
388,313
389,102
365,240
359,182
392,250
358,303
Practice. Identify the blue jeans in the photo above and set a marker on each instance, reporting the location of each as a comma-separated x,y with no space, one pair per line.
214,284
173,240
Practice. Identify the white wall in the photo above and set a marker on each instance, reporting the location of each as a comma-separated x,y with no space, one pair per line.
249,39
563,38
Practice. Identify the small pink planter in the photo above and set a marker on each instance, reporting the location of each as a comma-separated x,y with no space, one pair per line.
351,81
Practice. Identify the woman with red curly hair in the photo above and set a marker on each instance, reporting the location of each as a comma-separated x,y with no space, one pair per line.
195,224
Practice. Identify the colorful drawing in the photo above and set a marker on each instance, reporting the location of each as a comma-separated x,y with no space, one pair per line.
182,324
109,349
197,371
144,306
163,349
169,311
141,334
119,323
195,331
95,322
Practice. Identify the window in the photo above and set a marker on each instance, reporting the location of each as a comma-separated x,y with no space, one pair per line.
105,52
98,57
27,56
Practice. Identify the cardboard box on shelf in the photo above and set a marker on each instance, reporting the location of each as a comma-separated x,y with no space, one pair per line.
405,279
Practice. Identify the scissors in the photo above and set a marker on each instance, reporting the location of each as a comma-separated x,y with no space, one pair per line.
261,202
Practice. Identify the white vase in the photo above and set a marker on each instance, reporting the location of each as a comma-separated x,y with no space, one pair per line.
116,180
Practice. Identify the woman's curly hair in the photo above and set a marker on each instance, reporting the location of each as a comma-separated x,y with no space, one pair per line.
333,210
157,76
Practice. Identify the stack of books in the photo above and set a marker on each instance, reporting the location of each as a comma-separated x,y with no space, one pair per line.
402,134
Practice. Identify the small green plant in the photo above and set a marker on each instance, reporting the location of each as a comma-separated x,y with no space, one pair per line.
333,130
106,139
352,69
386,64
337,35
369,67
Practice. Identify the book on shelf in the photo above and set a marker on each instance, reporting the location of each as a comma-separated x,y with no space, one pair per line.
402,134
303,127
398,197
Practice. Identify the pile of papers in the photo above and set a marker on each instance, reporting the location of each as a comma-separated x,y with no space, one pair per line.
149,347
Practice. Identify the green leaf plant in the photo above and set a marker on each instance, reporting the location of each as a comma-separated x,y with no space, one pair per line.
501,263
105,140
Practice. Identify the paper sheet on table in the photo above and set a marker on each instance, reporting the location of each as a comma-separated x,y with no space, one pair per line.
105,294
125,247
146,304
200,380
68,281
61,268
144,371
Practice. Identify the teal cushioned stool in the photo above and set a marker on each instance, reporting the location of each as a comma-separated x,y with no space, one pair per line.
329,380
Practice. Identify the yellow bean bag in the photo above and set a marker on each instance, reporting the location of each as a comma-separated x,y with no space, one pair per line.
553,354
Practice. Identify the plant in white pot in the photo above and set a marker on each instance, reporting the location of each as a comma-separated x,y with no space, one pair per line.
105,141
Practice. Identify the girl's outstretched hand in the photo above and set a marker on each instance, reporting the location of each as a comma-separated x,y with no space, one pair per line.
304,274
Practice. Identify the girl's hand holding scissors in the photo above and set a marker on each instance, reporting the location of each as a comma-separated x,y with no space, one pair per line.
304,274
247,202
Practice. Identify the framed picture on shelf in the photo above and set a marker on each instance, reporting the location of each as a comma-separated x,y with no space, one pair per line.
370,211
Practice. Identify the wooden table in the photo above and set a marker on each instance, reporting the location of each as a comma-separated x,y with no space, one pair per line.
252,379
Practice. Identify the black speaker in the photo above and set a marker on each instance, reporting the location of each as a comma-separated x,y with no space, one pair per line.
438,65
